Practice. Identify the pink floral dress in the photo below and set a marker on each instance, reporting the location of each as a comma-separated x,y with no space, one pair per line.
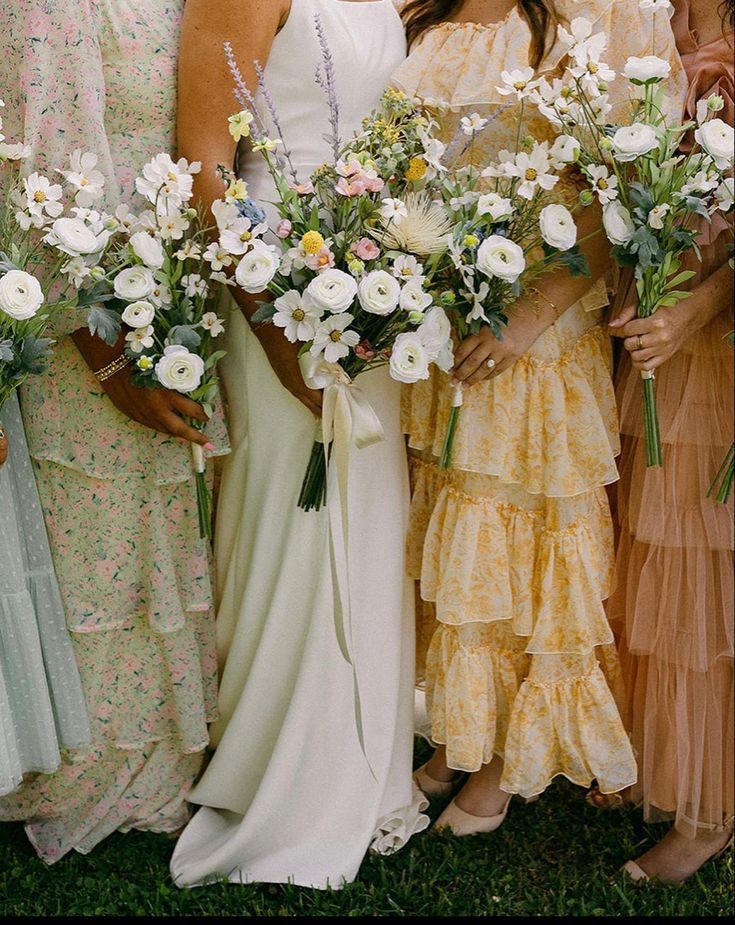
120,503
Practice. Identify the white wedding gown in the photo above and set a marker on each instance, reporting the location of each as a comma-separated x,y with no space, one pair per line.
289,795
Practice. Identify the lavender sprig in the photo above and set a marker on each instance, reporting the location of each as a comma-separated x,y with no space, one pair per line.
273,110
325,78
242,94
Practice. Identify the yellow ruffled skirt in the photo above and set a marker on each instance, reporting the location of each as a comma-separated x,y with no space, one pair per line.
513,552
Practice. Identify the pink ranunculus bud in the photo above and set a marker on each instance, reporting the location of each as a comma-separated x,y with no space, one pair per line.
366,249
364,350
284,228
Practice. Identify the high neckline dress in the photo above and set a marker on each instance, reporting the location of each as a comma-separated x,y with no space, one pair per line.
289,795
512,548
119,498
673,604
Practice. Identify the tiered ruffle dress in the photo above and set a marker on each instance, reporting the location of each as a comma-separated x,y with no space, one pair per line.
673,603
119,498
513,546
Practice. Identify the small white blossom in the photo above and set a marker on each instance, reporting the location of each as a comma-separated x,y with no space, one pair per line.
194,285
394,210
407,268
213,323
140,339
519,82
473,123
85,178
217,257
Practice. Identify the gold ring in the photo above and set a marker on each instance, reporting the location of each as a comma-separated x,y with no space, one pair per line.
639,343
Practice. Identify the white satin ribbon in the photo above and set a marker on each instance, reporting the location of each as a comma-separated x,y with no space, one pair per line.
348,419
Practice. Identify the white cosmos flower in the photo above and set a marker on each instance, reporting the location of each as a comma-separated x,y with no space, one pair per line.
134,283
473,123
21,295
238,236
435,333
297,315
422,231
180,370
580,30
140,339
494,205
13,152
379,293
74,237
407,268
724,194
148,249
332,291
409,359
632,141
553,100
167,184
603,183
565,149
717,139
138,314
160,295
434,151
333,339
42,196
126,220
76,270
500,257
257,268
618,223
213,323
173,225
225,214
519,82
414,298
85,178
648,68
217,256
703,181
657,6
657,215
534,171
189,250
393,210
557,226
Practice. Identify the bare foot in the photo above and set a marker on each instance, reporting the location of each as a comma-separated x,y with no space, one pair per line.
438,769
675,858
481,795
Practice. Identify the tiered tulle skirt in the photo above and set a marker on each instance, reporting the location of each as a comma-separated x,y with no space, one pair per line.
673,603
513,552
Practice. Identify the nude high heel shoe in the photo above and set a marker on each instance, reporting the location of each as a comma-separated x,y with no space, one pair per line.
638,875
461,823
432,788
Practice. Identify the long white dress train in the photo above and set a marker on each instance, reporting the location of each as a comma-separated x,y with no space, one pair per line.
289,795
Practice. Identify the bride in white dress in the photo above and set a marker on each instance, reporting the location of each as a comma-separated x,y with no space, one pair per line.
289,795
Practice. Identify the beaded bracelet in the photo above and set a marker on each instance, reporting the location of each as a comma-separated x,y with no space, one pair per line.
118,364
540,295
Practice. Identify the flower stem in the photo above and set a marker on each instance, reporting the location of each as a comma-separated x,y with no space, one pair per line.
314,487
654,453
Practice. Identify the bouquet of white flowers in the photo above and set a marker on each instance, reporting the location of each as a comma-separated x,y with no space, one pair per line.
352,272
649,190
158,282
44,226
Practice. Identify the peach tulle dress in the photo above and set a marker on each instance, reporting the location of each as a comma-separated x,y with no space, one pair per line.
673,603
513,546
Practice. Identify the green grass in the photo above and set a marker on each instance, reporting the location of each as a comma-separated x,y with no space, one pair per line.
556,857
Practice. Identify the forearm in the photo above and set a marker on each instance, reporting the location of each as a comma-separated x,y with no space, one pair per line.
94,350
709,299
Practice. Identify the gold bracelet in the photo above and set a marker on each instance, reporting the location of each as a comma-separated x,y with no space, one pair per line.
118,364
540,295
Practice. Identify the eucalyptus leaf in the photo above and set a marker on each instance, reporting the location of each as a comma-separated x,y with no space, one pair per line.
185,336
264,314
104,323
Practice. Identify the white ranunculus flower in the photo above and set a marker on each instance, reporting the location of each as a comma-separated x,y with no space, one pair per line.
257,268
139,314
379,292
725,194
565,149
72,236
632,141
618,223
641,70
409,359
180,370
148,249
333,291
414,298
494,205
558,227
717,139
435,333
21,295
498,256
134,283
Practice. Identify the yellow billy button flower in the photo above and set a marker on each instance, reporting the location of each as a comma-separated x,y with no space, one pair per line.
145,363
239,124
417,168
236,191
471,240
312,242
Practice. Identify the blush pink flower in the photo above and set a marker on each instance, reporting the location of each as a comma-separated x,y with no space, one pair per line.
303,189
364,350
323,260
284,228
365,249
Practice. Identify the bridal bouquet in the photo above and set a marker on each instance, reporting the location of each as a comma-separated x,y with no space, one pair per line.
650,191
351,275
44,226
158,282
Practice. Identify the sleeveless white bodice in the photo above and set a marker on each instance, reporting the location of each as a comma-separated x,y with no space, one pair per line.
367,43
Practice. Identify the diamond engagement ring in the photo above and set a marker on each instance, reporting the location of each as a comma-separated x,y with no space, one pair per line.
491,364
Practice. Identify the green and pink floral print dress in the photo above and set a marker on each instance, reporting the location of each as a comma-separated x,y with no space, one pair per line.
119,499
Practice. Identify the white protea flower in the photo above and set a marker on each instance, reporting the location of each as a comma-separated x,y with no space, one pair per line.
333,338
88,182
423,230
518,81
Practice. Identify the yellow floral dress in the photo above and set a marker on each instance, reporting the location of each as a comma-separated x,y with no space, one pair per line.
513,547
